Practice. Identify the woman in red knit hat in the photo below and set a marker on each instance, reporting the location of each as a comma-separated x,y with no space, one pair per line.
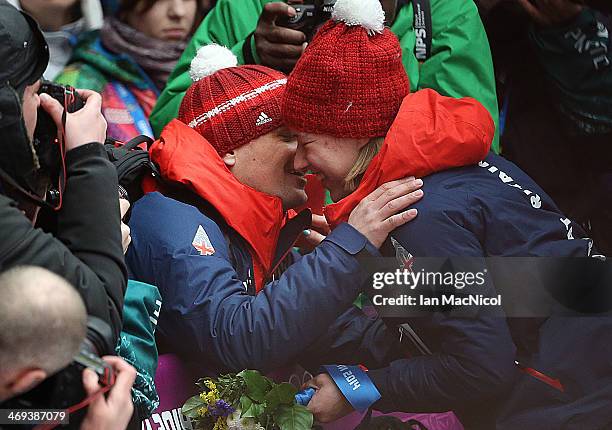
358,126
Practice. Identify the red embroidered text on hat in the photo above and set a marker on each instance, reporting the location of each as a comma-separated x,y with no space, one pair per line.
229,105
350,81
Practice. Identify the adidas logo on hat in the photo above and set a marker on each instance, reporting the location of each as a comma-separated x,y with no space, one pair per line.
262,119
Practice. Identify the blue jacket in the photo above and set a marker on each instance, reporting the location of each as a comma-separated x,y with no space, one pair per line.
201,253
491,209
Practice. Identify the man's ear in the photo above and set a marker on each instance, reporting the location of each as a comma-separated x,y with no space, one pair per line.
230,159
25,380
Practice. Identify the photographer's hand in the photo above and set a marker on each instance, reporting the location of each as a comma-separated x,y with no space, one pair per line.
278,47
114,411
83,126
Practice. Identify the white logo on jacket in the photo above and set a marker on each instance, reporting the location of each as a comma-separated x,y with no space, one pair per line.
535,199
202,243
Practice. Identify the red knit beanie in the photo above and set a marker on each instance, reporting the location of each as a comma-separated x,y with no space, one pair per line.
350,81
228,105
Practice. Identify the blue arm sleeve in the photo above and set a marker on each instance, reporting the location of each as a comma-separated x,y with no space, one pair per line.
207,312
472,358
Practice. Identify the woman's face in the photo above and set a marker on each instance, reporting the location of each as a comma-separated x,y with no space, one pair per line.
330,158
170,20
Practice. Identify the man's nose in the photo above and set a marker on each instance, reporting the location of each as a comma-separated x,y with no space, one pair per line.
299,161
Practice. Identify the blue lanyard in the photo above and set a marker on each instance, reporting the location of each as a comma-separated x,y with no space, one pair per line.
136,112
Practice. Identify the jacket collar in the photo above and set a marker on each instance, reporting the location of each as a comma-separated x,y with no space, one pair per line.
430,133
185,157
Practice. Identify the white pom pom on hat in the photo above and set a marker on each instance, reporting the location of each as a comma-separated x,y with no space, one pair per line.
367,13
210,59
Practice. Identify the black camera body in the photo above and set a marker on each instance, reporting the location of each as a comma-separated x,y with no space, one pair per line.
309,16
45,136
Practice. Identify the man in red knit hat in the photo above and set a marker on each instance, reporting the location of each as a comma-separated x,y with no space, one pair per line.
217,240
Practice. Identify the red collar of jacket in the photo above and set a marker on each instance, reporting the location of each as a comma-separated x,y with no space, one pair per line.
185,157
430,133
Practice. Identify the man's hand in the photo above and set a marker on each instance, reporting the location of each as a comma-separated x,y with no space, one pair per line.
328,404
114,411
379,213
83,126
124,205
278,47
549,13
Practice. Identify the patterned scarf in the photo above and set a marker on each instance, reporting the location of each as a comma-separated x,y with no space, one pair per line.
156,57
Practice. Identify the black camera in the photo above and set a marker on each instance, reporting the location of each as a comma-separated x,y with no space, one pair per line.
309,16
50,154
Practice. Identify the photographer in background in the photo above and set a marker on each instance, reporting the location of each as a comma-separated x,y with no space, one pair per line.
87,250
43,322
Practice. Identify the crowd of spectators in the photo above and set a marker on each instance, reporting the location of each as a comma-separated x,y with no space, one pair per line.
439,128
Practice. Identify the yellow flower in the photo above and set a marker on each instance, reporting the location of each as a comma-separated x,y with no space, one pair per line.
221,424
211,397
202,412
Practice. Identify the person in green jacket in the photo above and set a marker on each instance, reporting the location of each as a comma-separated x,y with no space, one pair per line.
459,64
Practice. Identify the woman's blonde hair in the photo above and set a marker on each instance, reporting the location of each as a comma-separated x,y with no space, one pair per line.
365,156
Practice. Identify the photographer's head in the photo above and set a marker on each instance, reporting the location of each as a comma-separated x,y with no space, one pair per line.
43,322
25,55
237,110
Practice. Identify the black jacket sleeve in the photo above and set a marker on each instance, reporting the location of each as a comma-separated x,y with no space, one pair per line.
87,250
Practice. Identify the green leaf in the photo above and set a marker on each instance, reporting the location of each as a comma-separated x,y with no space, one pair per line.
191,406
255,410
245,403
280,394
295,417
257,385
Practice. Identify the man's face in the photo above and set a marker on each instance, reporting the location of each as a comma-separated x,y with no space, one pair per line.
31,102
266,165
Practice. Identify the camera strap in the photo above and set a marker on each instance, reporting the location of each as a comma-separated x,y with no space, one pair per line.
72,409
422,29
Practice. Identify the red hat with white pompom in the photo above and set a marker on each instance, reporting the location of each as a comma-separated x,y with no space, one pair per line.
231,105
350,81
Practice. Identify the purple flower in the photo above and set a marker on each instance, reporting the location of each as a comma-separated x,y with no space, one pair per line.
221,409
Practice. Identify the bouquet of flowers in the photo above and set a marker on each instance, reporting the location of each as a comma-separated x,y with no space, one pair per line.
246,401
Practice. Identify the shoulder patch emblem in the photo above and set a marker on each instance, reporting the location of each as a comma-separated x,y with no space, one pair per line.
403,257
202,243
